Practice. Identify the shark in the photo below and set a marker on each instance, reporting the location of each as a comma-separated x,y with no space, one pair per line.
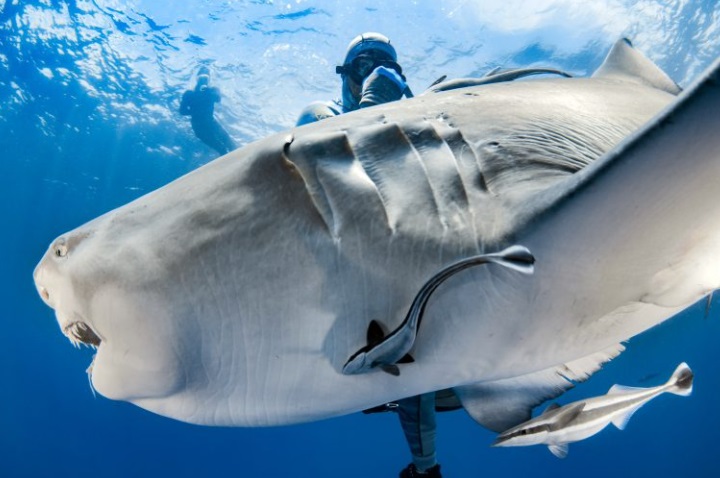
238,294
558,426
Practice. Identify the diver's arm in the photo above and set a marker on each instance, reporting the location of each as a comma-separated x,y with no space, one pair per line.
185,104
214,94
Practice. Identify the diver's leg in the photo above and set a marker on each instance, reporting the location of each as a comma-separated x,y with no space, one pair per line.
214,135
204,131
223,138
417,417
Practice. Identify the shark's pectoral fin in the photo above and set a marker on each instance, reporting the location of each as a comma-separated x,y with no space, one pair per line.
502,404
576,221
560,450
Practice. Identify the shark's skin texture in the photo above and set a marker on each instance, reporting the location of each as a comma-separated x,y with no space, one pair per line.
558,426
235,295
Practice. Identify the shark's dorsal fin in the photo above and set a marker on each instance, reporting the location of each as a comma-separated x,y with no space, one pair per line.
626,63
560,450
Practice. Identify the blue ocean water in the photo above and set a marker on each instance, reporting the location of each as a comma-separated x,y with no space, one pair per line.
89,92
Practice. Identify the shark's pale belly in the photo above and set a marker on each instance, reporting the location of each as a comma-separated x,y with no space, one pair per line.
236,294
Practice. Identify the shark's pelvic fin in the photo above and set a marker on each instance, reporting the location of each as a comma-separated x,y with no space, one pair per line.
502,404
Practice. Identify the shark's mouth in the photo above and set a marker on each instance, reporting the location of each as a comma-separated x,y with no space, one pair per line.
81,333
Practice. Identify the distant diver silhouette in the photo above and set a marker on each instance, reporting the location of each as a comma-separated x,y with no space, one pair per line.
199,104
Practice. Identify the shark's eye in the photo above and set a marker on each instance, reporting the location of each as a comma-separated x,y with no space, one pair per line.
60,249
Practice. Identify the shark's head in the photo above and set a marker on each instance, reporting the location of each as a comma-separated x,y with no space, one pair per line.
234,295
155,287
97,303
183,290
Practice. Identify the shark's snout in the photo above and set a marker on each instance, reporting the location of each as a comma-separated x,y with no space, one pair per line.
39,276
50,271
44,294
54,290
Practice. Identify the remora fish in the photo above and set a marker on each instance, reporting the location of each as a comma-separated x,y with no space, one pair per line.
558,426
386,351
236,294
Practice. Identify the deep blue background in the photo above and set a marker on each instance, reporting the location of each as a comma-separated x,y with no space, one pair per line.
88,92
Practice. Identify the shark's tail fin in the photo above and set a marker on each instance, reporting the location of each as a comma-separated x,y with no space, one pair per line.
681,382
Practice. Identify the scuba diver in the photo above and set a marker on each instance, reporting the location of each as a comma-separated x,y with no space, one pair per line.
199,104
371,76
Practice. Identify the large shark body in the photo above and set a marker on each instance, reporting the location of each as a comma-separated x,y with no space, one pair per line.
236,294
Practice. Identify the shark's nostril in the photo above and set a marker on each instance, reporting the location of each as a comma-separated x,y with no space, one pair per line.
44,294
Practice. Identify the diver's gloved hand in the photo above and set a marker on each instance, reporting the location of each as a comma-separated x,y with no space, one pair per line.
382,86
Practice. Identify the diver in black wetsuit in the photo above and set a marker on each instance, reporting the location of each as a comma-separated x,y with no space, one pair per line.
371,76
199,104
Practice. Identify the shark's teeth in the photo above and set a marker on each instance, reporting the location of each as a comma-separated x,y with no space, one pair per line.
81,333
89,372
